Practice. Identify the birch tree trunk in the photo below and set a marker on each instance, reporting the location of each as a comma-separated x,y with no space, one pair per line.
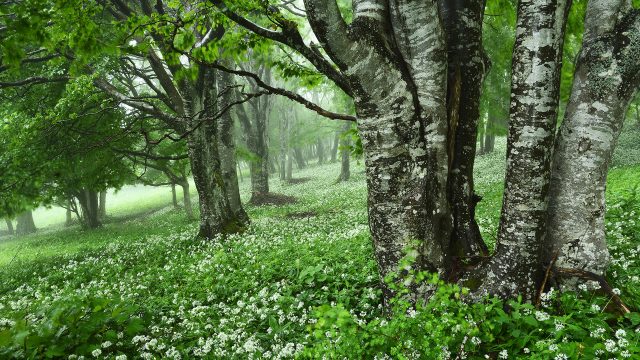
606,79
537,60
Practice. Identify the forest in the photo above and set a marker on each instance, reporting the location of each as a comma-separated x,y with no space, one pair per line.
319,179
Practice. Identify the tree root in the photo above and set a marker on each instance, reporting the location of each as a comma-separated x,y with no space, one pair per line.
588,275
545,279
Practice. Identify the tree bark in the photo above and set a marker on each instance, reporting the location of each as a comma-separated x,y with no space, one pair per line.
605,82
25,224
216,216
466,64
257,138
398,78
516,268
345,155
227,149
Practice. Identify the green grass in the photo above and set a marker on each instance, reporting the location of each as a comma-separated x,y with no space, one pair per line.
130,200
289,286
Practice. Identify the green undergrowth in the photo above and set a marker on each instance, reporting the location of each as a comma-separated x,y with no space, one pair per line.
300,282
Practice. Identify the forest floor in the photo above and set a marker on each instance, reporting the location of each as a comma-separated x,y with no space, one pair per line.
301,281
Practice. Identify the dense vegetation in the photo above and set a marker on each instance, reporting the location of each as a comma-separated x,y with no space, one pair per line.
300,282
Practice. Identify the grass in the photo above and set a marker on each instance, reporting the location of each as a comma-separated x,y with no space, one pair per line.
289,286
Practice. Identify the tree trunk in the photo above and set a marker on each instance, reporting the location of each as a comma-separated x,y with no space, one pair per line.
259,169
297,154
284,146
489,143
88,200
25,224
290,165
334,148
69,219
102,206
605,82
399,96
320,151
186,199
517,267
9,226
257,138
174,197
227,150
345,143
216,216
463,25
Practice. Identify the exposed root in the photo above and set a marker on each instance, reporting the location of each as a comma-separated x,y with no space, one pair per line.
587,275
545,279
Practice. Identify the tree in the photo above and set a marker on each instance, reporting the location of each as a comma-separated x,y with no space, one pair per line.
414,71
